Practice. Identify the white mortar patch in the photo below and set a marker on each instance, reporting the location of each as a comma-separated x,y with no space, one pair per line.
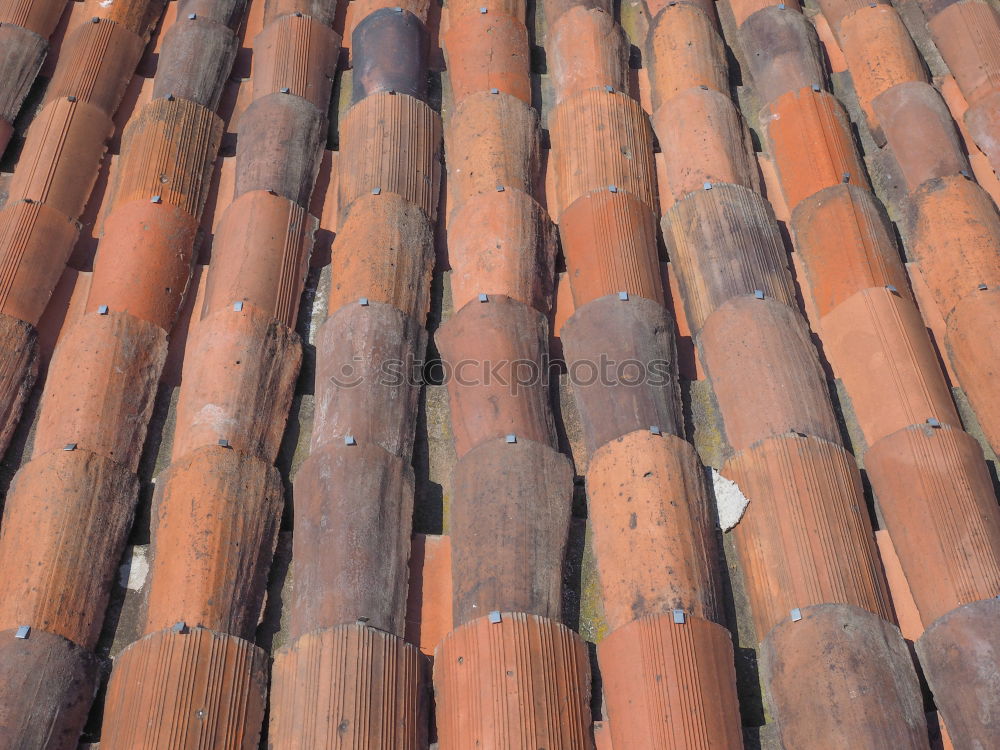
730,502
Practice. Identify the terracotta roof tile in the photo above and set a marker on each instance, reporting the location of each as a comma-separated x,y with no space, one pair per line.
196,61
968,35
868,698
388,54
670,683
18,370
21,55
972,348
476,67
685,50
983,122
33,15
588,50
743,9
781,51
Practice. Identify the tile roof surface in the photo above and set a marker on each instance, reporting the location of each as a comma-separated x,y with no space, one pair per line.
375,375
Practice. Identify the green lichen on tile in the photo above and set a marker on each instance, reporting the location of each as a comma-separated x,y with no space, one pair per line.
703,417
635,21
568,425
589,603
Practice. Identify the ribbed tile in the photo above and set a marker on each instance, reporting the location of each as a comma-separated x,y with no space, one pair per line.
297,53
18,370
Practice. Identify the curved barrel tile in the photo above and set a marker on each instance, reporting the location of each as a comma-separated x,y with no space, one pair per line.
195,61
967,33
487,52
983,124
22,53
492,352
520,683
38,16
835,11
805,538
868,696
654,529
974,351
743,9
622,364
685,51
296,56
18,371
323,11
586,50
781,51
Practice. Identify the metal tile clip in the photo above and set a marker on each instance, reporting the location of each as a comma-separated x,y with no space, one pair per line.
707,186
23,632
376,190
156,199
512,438
363,302
69,447
679,617
180,627
495,617
982,287
623,296
796,614
758,293
349,440
816,87
892,288
285,90
71,98
483,297
500,188
494,91
223,443
655,430
933,422
238,306
192,16
102,310
612,188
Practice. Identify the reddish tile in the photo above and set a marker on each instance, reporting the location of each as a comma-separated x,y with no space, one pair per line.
913,116
18,371
39,17
810,140
492,352
708,143
138,16
685,50
835,11
958,653
622,364
166,685
846,245
724,243
298,54
502,244
487,52
216,517
880,55
492,141
384,252
974,351
507,554
983,122
743,9
937,500
782,52
968,36
428,601
907,615
670,684
653,527
348,684
841,677
609,241
805,538
878,346
524,681
831,49
601,138
586,49
196,61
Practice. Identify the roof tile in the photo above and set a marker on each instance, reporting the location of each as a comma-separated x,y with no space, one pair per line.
388,54
974,350
685,50
501,62
586,50
782,51
18,371
968,35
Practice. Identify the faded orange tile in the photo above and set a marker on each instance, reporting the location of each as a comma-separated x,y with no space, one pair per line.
907,615
428,605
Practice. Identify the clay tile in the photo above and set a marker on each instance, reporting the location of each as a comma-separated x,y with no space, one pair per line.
932,484
805,537
46,687
724,243
879,347
384,252
835,11
366,386
654,536
391,142
58,579
502,243
510,516
764,347
389,53
913,115
101,385
197,688
955,653
96,62
61,156
323,11
353,515
743,9
983,122
217,513
586,49
974,350
227,12
622,364
168,149
281,140
428,599
138,16
956,236
880,55
196,61
239,375
35,243
841,677
41,18
609,240
270,277
497,384
144,262
554,9
21,55
299,54
968,36
515,8
487,51
491,140
522,681
18,371
419,8
321,691
846,245
6,133
685,50
667,683
782,52
601,139
812,144
709,143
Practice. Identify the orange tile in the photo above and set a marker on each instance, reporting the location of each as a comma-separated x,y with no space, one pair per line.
685,50
781,52
428,604
834,55
972,348
903,605
19,368
487,51
298,54
968,37
586,49
743,9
